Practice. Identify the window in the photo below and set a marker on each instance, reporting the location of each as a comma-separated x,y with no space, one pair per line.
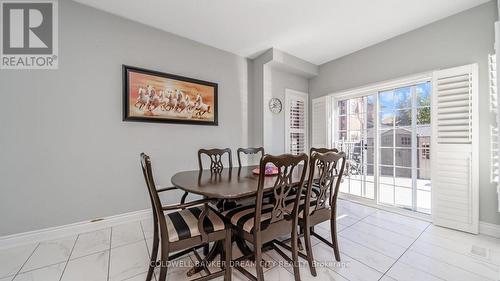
386,137
404,131
426,152
355,137
296,122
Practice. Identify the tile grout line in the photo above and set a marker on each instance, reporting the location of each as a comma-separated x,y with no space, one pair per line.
354,223
392,212
392,230
90,253
42,267
348,255
20,268
407,225
147,249
456,252
421,231
408,248
371,249
369,266
109,254
431,274
383,274
398,245
377,237
452,265
69,257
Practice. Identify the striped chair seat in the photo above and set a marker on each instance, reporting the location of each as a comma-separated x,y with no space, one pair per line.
311,208
184,224
243,217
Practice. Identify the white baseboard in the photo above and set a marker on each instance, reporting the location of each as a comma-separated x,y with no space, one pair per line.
489,229
70,229
87,226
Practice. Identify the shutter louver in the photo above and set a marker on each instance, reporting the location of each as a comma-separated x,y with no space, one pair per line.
296,122
494,137
455,192
454,120
297,127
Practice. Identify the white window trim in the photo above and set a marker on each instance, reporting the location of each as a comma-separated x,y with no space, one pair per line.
381,86
375,88
288,94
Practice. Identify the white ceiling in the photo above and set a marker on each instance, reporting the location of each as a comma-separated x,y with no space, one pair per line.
314,30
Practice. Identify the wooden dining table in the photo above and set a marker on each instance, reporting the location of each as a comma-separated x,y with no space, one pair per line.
231,184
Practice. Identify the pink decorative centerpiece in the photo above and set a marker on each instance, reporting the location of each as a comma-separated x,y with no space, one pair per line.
270,170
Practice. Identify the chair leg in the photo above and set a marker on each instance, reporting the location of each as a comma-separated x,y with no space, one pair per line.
258,259
228,249
333,230
154,254
164,262
310,258
299,244
206,249
295,255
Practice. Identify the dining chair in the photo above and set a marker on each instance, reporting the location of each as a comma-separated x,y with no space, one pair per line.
186,227
265,221
215,155
216,167
319,150
249,150
321,206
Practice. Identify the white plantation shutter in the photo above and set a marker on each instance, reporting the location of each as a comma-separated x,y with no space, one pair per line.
295,122
494,137
455,192
497,91
321,122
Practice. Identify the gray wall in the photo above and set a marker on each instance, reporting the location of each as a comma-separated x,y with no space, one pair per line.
276,80
256,100
461,39
67,156
269,74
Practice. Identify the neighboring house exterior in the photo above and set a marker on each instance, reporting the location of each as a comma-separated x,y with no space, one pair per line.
402,153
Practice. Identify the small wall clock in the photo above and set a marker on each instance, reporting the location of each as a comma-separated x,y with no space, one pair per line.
275,105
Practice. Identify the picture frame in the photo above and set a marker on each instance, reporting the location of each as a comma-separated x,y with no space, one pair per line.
153,96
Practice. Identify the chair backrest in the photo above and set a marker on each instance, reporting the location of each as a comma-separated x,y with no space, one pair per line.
215,155
321,150
249,150
284,185
156,205
323,169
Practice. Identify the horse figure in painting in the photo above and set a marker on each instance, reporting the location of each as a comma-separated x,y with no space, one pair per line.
163,100
200,107
181,101
171,102
154,99
142,99
190,105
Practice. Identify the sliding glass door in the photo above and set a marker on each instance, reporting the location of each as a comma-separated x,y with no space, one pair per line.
386,136
356,137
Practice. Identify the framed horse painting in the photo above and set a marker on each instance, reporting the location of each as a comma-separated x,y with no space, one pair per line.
152,96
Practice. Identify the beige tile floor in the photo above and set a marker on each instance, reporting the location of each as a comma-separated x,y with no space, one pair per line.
374,244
